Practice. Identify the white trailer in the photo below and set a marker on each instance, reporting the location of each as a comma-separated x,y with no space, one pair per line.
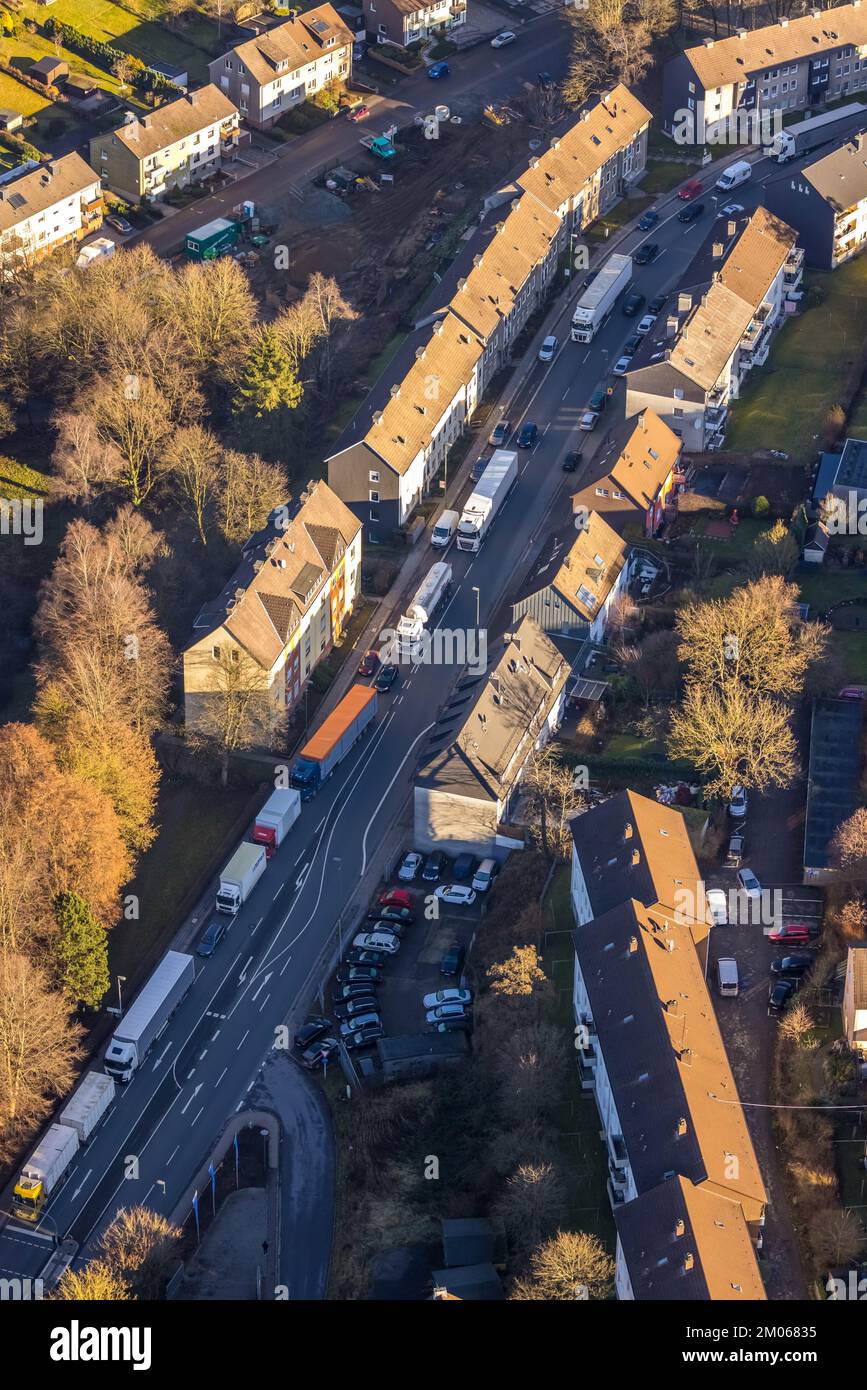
276,819
240,876
89,1104
139,1029
815,131
44,1171
429,599
599,297
485,501
97,250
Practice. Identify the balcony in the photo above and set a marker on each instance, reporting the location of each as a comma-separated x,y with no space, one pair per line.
619,1158
793,270
587,1059
617,1187
92,212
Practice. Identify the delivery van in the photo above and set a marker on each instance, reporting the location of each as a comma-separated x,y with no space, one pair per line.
727,976
734,175
444,530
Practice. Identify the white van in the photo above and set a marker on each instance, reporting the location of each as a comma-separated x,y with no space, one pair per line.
727,976
444,529
485,875
734,175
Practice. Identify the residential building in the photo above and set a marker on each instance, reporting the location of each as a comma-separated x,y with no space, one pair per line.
467,785
270,73
174,146
832,783
844,475
10,120
42,208
50,71
855,997
178,76
282,609
780,67
576,581
631,479
383,476
816,542
692,363
826,203
406,21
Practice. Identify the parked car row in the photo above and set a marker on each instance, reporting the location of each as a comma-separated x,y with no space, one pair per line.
436,865
447,1010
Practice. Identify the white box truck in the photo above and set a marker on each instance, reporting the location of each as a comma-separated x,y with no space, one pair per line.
44,1172
734,175
487,498
276,819
240,876
89,1104
145,1020
429,598
815,131
599,297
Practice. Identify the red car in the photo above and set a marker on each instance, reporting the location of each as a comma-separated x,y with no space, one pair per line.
358,113
395,897
792,934
690,190
368,664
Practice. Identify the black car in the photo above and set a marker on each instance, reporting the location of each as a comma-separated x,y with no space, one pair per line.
657,304
599,399
630,347
646,253
308,1033
320,1053
359,957
528,436
211,937
390,914
433,867
647,220
545,80
780,995
454,1025
359,989
795,966
380,925
452,960
359,974
572,460
386,679
588,279
365,1004
632,303
364,1037
691,212
478,469
464,866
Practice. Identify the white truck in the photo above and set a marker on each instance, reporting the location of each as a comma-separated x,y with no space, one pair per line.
815,131
428,600
599,297
485,501
88,1105
143,1023
276,819
734,175
44,1172
240,876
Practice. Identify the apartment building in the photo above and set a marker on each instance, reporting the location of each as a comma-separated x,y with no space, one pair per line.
651,1052
406,21
826,203
692,363
383,476
470,773
270,73
765,72
44,207
632,478
576,581
174,146
855,998
281,611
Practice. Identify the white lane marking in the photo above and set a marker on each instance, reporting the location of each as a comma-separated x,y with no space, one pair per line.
264,1001
218,1080
195,1117
243,1040
262,986
299,882
82,1184
162,1056
191,1099
243,975
172,1154
279,891
215,1035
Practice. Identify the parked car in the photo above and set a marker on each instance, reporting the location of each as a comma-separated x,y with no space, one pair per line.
447,996
749,884
630,347
409,866
691,214
646,253
352,1025
359,974
437,70
793,934
358,113
588,279
780,996
621,366
528,436
211,937
377,941
120,224
366,957
464,866
478,468
690,190
500,434
320,1053
463,1024
395,897
632,303
598,400
572,460
368,664
735,851
363,1037
731,210
645,324
544,80
386,679
588,421
485,875
717,906
647,220
311,1030
453,960
738,803
795,966
456,893
342,994
445,1011
657,304
548,348
397,929
364,1004
434,867
500,40
390,914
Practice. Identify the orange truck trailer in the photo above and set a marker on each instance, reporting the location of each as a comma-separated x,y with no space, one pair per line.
331,743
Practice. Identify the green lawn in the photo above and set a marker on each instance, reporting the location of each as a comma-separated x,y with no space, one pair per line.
783,403
187,45
624,212
824,588
851,648
19,480
738,547
16,97
664,174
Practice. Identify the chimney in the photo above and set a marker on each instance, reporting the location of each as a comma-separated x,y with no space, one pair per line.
642,421
731,229
708,43
534,162
684,302
394,391
680,1227
688,1261
784,24
627,832
633,945
555,143
462,284
377,417
671,326
420,352
681,1127
636,858
741,33
718,250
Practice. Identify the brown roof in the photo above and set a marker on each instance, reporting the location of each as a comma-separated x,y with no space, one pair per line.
420,400
637,467
757,257
857,959
299,41
43,187
174,121
521,242
591,568
729,60
559,174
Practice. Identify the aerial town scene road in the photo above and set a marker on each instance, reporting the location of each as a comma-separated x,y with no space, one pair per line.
433,771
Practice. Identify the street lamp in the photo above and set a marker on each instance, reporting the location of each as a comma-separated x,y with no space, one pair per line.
476,592
121,980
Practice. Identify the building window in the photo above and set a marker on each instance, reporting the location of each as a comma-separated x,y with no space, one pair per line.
215,653
373,475
373,497
677,393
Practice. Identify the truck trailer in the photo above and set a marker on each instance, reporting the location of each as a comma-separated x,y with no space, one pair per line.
213,239
240,876
815,131
427,602
337,736
599,297
44,1172
88,1105
487,498
149,1014
276,819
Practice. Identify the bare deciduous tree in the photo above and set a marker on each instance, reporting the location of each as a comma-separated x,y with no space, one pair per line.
39,1045
139,1247
572,1265
732,737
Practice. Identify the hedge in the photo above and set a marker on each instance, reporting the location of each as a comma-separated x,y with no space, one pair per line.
144,78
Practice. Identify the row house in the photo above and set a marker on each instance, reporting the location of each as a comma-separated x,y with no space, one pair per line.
765,72
576,581
651,1053
270,73
692,363
281,611
826,203
177,145
403,22
43,208
631,480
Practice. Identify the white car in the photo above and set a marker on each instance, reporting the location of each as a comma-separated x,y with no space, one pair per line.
409,867
548,348
731,210
738,803
447,996
621,366
377,941
500,40
749,883
646,324
445,1011
456,893
717,906
588,420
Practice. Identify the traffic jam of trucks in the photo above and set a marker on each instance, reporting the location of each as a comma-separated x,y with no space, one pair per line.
598,298
339,733
428,600
817,130
51,1160
486,499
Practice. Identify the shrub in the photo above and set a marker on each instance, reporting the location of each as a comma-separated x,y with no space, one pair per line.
761,506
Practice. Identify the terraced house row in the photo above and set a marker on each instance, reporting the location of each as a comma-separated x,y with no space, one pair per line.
398,443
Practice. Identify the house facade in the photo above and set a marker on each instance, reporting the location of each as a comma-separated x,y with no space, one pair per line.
282,609
631,479
406,21
855,998
179,144
267,75
576,581
58,202
826,203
